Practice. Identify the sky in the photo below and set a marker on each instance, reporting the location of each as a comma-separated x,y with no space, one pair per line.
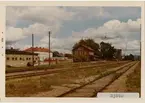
119,26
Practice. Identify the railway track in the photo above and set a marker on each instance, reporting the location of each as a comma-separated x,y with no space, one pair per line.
45,72
91,88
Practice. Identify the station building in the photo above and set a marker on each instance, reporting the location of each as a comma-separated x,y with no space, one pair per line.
83,53
43,53
16,58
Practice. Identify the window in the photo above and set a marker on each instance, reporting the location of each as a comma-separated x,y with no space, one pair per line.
20,58
27,59
13,58
8,58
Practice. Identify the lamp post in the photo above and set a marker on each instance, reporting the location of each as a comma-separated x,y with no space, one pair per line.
49,45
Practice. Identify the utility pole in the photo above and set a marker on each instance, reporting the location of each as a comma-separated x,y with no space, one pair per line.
125,50
32,50
49,46
140,42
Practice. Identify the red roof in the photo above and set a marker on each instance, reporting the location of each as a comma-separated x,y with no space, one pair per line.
37,49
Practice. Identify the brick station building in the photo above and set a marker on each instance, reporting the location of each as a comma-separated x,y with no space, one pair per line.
82,53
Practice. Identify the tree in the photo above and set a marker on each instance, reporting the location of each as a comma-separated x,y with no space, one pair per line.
55,54
107,50
92,44
81,42
129,57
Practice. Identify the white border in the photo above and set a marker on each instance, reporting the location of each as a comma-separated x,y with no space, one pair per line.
2,50
66,100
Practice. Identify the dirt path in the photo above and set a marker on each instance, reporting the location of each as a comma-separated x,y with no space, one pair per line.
119,85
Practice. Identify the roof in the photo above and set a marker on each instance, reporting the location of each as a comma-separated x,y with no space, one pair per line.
14,51
37,49
81,45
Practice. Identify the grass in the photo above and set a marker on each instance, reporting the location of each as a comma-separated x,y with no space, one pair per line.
116,76
28,86
40,67
133,82
52,66
23,69
32,85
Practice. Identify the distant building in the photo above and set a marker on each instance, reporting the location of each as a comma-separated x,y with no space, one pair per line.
43,53
69,56
83,53
118,54
16,58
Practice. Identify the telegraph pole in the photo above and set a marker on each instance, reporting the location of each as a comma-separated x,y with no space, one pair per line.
140,42
32,50
49,46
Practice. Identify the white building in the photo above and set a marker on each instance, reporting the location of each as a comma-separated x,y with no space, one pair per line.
43,53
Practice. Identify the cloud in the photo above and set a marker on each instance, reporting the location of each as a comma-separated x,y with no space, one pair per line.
110,28
41,29
39,20
124,12
84,13
117,33
18,46
61,44
14,34
54,15
42,15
